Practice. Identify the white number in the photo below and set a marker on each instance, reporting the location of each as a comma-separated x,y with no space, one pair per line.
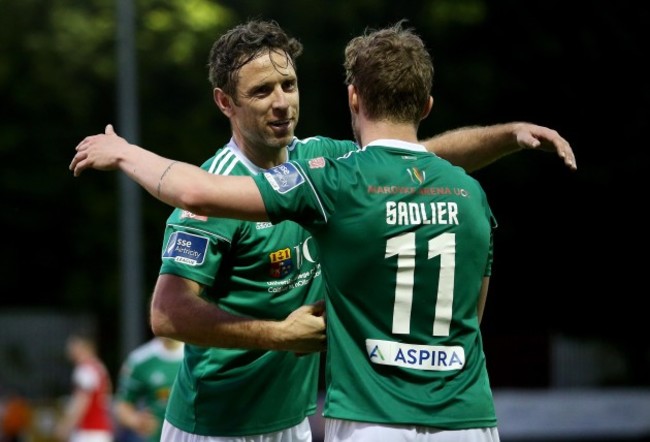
404,247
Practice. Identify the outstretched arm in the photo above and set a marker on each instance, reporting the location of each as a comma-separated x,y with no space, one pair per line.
141,421
178,184
475,147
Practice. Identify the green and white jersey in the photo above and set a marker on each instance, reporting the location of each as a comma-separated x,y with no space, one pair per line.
405,240
146,378
250,269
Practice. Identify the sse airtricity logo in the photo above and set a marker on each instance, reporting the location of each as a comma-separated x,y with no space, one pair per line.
284,177
186,248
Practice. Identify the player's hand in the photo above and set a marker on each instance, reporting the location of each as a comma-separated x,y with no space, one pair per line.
532,136
303,331
101,152
147,423
62,432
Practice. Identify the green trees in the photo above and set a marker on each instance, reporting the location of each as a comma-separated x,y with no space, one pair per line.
576,68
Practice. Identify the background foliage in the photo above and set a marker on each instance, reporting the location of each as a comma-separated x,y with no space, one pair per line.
567,246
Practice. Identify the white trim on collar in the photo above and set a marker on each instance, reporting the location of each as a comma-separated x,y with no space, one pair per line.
252,167
386,142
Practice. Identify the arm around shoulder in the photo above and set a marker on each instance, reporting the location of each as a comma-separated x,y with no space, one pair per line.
475,147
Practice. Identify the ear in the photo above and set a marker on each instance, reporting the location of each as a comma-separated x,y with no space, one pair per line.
353,99
223,101
427,107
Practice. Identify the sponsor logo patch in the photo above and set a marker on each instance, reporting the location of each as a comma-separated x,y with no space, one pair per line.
284,177
317,163
188,214
417,175
186,248
281,263
418,357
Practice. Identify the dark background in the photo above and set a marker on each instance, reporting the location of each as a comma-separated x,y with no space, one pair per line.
569,247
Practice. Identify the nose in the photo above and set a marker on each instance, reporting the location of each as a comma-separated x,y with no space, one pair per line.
280,100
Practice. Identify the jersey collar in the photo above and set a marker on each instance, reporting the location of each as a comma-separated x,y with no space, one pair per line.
399,144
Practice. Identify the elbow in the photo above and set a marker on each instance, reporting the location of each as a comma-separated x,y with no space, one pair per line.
161,326
158,327
194,201
160,322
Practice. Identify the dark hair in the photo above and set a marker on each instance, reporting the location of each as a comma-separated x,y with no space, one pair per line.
244,43
392,72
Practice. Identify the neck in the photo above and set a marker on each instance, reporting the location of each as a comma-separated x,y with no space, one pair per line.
170,344
370,131
263,156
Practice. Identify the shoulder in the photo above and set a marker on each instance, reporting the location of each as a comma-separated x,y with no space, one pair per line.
223,162
144,352
320,146
86,376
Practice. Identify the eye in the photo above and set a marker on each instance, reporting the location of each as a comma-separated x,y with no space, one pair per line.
290,85
262,91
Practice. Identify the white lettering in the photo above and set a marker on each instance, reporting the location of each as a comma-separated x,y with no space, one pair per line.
408,213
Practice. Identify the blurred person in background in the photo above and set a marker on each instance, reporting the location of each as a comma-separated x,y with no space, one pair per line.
143,386
87,414
15,418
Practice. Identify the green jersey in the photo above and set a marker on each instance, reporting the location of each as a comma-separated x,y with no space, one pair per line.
405,240
146,377
250,269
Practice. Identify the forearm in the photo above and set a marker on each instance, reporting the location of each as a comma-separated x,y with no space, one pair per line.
189,187
213,327
475,147
176,183
126,414
173,182
154,174
302,332
178,312
141,421
73,412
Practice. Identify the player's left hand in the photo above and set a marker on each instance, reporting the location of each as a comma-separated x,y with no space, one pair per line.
532,136
304,329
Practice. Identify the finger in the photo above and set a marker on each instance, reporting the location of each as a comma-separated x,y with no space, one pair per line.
77,170
527,141
570,159
109,130
319,307
75,161
566,153
85,143
80,166
81,144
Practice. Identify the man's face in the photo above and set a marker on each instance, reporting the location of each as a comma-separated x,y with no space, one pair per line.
268,103
73,348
